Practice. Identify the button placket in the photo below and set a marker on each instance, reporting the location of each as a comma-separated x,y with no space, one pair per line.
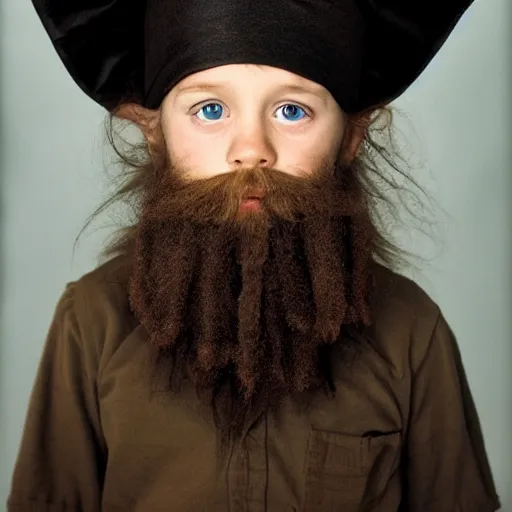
237,475
256,446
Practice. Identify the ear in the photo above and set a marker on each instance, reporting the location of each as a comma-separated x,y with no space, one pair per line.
146,119
357,128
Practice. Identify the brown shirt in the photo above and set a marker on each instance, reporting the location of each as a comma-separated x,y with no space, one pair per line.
401,434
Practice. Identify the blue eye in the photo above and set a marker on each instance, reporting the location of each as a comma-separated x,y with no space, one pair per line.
292,111
212,111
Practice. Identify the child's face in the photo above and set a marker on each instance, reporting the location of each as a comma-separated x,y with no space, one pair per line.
244,116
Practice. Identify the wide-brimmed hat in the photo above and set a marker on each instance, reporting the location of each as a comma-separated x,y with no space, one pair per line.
365,52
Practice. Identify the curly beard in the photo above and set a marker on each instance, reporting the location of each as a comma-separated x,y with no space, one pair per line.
247,303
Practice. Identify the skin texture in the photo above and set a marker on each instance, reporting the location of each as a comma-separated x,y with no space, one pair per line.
254,131
246,301
255,128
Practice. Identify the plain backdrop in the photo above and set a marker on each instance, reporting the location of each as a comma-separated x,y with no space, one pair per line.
458,124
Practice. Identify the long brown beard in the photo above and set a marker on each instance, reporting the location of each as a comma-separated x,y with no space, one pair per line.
247,305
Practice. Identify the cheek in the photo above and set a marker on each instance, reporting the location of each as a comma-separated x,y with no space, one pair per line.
329,146
202,157
309,154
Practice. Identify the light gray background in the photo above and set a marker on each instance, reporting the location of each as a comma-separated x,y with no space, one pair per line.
51,148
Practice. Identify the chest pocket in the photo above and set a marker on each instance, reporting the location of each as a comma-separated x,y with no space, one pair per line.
343,472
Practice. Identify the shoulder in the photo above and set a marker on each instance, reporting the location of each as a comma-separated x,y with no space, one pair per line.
105,287
397,297
405,319
98,303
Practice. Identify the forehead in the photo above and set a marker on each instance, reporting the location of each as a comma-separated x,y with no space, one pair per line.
241,73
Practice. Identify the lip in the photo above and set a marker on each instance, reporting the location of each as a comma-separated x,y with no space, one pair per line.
253,195
250,204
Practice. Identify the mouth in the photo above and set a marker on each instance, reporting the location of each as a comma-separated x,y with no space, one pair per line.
253,194
251,200
250,204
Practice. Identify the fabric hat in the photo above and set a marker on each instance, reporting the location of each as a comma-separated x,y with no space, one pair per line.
364,52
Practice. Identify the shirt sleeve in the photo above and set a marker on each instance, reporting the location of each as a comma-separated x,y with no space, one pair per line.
61,459
447,469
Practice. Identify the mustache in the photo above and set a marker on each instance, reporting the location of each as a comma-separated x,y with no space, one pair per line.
217,199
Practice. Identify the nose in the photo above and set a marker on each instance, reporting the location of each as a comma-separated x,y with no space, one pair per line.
251,147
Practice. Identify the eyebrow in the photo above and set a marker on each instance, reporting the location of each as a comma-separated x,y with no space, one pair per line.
282,88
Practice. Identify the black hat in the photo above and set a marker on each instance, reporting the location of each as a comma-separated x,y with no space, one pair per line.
365,52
